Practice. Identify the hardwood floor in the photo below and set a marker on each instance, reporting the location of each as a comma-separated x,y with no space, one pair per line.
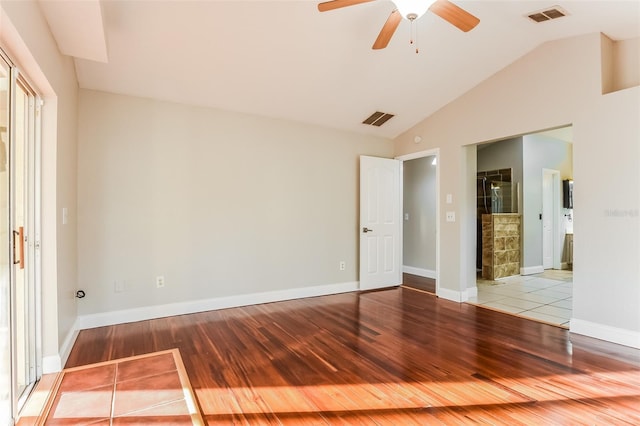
419,283
395,356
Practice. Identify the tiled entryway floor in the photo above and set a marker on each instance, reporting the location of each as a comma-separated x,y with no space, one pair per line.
141,390
545,297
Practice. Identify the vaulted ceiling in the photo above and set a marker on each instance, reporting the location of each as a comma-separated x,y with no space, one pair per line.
284,59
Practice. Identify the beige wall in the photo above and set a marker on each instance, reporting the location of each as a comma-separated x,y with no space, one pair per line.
557,84
626,63
25,35
219,203
607,206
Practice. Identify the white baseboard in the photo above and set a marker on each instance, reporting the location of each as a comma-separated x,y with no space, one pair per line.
51,364
182,308
453,295
55,363
605,332
471,292
427,273
457,296
68,342
530,270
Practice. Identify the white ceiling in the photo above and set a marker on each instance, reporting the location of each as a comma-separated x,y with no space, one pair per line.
284,59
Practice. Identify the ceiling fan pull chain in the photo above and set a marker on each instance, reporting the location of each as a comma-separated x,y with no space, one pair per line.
411,24
413,39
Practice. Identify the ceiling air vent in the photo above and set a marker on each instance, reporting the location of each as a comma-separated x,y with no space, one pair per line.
378,118
554,12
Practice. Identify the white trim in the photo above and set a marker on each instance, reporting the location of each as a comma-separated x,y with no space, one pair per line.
68,342
457,296
427,273
420,154
530,270
620,336
453,295
182,308
51,364
54,363
471,292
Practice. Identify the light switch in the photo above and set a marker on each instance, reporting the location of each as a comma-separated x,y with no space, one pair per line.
451,216
449,198
406,216
65,215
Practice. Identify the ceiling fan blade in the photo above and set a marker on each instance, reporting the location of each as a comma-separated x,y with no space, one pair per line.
454,15
337,4
387,30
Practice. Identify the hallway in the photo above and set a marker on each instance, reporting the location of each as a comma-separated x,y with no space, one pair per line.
545,297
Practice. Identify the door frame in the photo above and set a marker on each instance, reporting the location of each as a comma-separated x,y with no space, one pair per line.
556,256
435,152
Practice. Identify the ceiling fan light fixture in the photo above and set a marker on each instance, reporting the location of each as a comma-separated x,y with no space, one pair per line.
412,9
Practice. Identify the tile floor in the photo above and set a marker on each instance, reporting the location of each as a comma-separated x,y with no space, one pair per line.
149,389
545,297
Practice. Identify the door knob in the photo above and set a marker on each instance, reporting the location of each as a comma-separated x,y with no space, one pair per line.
365,230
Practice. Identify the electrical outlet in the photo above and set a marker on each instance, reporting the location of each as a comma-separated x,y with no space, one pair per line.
159,281
343,265
118,286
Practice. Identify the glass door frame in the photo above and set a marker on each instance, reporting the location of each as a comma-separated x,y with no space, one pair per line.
32,237
32,260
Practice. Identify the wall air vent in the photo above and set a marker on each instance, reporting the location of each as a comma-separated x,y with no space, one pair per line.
378,118
554,12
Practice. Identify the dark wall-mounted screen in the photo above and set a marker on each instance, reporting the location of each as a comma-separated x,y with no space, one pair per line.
567,194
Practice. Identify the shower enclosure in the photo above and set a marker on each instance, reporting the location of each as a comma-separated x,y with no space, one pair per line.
496,193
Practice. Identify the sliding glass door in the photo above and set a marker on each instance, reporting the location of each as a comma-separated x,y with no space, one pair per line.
6,382
24,291
19,128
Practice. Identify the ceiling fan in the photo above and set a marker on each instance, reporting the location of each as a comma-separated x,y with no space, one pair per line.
411,10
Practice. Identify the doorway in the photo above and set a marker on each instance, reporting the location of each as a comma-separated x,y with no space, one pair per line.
381,253
19,222
419,223
420,243
543,288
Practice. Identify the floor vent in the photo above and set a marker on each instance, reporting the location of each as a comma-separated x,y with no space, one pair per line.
554,12
378,118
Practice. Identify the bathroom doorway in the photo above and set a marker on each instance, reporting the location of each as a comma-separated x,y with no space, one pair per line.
533,168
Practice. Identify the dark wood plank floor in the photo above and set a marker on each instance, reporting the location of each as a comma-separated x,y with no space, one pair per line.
395,356
419,283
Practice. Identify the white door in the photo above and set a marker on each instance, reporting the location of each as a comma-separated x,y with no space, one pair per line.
379,223
547,219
